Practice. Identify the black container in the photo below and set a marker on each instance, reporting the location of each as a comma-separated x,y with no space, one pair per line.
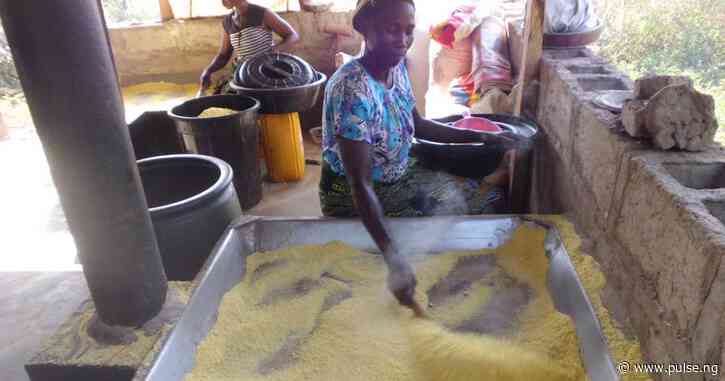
191,201
232,138
154,134
274,71
477,160
285,100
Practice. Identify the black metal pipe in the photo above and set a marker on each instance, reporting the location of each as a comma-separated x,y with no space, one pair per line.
64,61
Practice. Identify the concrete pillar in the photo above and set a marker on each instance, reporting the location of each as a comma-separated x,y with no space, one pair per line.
65,65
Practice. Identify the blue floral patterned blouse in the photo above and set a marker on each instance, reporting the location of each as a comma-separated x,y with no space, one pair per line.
358,107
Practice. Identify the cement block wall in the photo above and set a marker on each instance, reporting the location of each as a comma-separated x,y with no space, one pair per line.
655,219
179,50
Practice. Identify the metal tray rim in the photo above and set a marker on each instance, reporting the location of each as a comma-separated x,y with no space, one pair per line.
177,351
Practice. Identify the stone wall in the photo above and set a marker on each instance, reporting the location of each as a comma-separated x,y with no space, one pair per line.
655,219
179,50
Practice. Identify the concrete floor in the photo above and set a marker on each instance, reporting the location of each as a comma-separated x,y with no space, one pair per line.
33,304
40,284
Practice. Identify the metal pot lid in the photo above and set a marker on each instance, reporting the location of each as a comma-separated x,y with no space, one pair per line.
613,100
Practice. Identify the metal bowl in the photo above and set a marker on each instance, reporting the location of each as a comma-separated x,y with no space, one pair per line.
285,100
573,40
613,100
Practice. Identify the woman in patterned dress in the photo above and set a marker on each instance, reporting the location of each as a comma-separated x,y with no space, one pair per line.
369,121
247,31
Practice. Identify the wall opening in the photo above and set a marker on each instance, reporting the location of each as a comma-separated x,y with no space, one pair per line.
698,175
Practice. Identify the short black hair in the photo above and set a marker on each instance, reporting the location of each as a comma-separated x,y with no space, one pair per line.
370,8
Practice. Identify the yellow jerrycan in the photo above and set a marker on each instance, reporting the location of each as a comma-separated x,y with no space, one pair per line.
283,146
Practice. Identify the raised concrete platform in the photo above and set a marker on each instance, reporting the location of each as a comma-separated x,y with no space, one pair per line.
655,219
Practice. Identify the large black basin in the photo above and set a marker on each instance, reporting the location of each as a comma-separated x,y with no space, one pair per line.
285,100
191,200
475,160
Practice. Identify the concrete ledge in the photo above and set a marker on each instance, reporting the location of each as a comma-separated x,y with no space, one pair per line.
673,238
603,82
637,292
550,178
598,152
556,107
708,339
656,219
569,55
115,354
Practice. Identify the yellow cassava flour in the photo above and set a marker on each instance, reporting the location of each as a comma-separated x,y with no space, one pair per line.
324,313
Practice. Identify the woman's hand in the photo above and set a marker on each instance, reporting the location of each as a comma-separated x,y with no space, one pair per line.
444,133
204,81
219,61
401,279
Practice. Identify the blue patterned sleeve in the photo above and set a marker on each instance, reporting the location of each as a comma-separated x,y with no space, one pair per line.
350,111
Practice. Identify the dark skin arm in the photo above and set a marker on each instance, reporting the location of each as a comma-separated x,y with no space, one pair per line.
219,61
356,159
283,29
439,132
431,130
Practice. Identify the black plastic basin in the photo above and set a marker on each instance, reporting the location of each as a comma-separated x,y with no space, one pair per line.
191,200
474,160
285,100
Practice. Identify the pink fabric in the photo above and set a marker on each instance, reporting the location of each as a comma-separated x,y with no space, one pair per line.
444,32
491,57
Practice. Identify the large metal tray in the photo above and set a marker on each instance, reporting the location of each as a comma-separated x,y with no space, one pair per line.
226,267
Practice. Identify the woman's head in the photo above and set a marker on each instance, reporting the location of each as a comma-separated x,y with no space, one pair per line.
387,26
229,4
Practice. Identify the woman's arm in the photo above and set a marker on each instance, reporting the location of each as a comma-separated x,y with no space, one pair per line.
442,133
282,28
438,132
219,61
355,157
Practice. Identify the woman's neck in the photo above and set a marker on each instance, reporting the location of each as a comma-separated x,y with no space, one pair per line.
377,71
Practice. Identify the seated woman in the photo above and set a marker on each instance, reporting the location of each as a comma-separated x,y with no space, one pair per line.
247,32
369,122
